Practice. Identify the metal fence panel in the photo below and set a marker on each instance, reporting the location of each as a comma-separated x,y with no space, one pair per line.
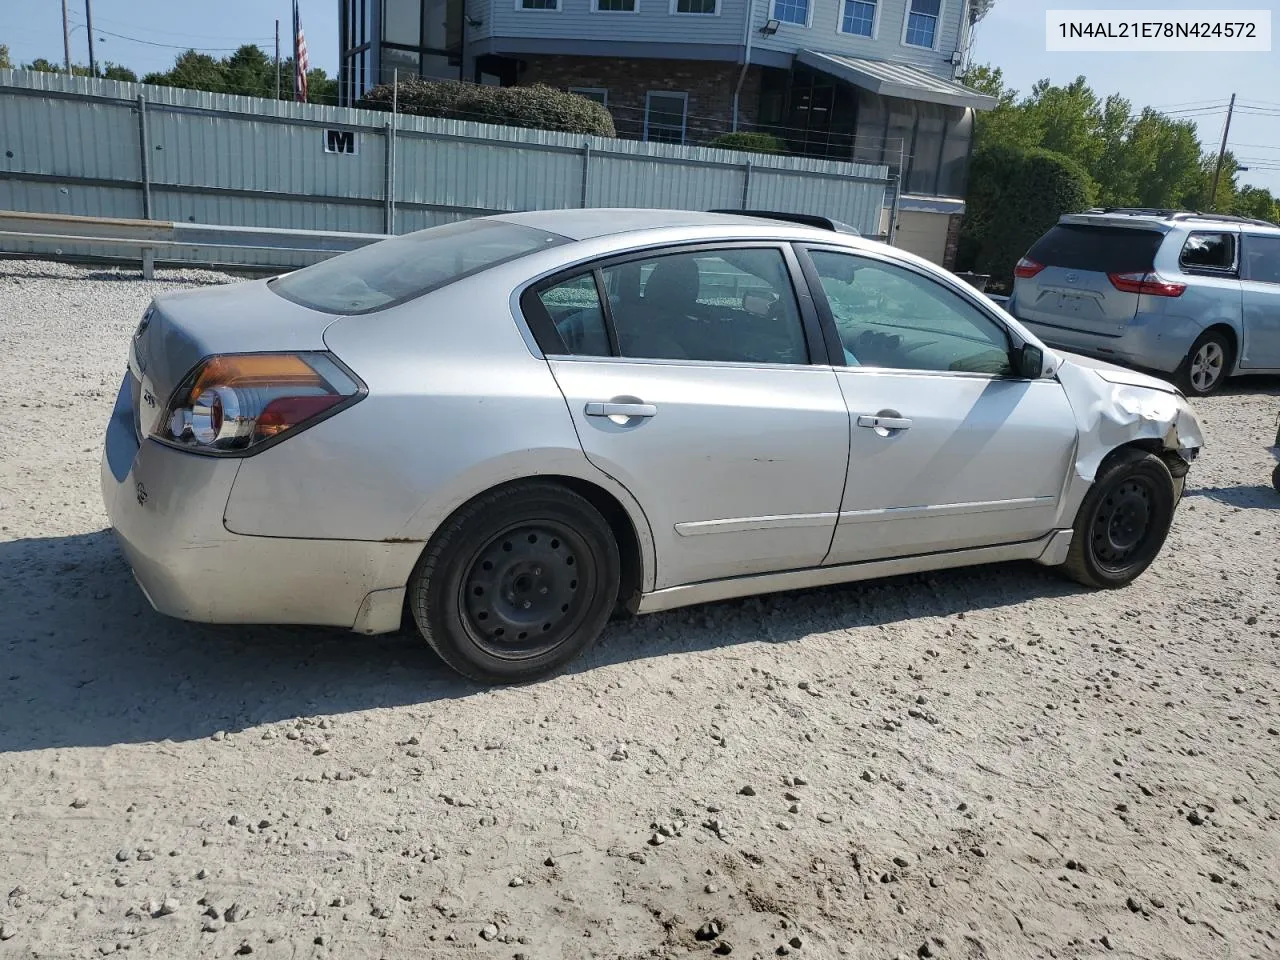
93,147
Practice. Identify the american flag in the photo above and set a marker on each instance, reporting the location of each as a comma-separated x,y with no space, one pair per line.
301,62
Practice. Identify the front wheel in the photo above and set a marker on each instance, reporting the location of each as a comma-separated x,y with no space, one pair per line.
516,583
1275,478
1123,521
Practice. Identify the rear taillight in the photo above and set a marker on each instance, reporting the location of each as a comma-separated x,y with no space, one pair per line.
1026,268
232,403
1151,284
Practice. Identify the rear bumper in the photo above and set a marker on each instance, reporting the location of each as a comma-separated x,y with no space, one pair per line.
166,509
1154,342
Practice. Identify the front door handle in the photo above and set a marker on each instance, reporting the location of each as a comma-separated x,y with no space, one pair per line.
884,423
610,409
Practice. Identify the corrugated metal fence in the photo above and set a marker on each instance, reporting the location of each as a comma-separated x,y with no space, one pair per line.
76,145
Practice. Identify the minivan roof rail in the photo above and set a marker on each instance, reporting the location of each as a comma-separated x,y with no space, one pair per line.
805,219
1178,215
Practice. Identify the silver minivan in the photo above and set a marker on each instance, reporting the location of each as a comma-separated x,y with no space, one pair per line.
1191,295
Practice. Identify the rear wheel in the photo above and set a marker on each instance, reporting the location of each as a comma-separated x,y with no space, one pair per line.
516,583
1206,365
1123,521
1275,478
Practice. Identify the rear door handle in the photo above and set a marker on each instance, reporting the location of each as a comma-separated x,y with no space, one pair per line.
602,409
884,423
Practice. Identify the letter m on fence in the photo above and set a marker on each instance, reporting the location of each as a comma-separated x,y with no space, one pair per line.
340,141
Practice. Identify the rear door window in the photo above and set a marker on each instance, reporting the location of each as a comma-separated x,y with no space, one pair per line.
1214,252
726,306
1097,249
1262,259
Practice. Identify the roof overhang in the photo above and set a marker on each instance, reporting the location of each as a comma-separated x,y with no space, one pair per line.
896,80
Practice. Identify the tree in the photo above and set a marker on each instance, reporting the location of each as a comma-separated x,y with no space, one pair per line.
114,71
1256,202
248,72
1015,196
5,62
1148,160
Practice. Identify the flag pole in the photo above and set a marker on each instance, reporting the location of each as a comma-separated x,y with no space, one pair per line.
277,58
295,50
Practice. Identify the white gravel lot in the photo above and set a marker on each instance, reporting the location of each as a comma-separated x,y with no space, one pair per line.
990,763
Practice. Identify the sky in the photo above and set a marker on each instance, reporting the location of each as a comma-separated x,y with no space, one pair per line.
146,35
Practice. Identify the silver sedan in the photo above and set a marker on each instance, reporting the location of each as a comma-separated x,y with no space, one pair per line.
513,428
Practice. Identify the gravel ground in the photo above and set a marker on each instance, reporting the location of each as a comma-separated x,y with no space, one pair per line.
978,764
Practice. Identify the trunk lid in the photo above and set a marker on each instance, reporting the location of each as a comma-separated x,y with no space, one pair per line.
1074,290
182,328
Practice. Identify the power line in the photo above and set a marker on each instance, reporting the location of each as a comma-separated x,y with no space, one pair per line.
143,29
171,46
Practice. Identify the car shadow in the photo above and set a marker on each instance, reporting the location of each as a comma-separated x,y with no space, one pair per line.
1256,497
86,661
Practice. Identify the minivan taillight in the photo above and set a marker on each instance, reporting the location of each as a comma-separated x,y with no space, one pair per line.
1151,284
1026,268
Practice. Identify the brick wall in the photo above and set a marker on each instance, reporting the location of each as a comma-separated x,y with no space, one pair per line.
709,85
953,241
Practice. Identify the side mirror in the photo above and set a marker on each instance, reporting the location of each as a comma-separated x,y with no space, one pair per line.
1028,362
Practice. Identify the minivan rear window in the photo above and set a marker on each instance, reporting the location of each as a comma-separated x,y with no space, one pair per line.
389,272
1098,249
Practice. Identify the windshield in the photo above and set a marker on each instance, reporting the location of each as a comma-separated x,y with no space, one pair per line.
392,271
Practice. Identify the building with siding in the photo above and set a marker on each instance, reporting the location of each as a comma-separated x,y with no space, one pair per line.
874,81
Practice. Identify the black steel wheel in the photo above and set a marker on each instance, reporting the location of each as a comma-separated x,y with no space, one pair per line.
517,582
526,590
1123,521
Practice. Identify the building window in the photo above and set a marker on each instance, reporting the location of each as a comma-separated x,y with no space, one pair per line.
664,116
922,23
599,94
792,11
402,22
537,4
700,7
859,18
613,6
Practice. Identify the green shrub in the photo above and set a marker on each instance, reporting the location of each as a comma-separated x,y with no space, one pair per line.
1014,197
751,142
538,107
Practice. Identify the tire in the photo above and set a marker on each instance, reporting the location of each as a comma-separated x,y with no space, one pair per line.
516,583
1206,365
1123,521
1275,478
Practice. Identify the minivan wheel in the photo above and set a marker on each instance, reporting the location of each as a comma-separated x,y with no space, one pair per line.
1206,365
1123,521
516,583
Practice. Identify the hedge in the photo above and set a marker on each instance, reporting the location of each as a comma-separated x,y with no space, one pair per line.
538,107
751,142
1014,197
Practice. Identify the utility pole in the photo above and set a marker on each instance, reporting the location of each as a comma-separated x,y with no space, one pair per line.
66,37
1222,152
277,58
88,19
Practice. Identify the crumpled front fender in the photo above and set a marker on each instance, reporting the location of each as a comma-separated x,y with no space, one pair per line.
1112,413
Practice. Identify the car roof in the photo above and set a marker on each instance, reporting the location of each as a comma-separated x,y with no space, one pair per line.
1165,220
593,222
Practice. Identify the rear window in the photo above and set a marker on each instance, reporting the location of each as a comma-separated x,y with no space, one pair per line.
392,271
1098,249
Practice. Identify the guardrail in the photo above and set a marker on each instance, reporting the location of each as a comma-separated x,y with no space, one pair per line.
44,233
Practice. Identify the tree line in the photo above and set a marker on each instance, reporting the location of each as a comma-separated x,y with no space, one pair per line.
249,72
1062,149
